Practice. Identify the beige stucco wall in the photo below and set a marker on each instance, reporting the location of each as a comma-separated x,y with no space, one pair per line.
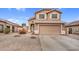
49,16
36,29
52,19
30,22
63,29
75,29
16,29
37,16
42,12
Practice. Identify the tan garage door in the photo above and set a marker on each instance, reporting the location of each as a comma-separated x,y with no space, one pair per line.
44,29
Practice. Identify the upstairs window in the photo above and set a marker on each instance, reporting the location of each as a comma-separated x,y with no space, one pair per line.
54,15
41,16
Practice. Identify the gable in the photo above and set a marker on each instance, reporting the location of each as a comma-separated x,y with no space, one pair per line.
44,11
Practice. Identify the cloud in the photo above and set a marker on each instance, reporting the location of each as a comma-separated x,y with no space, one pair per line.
9,9
60,8
19,20
57,8
75,19
20,9
13,20
27,20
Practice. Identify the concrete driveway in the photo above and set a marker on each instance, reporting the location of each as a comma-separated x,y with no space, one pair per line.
28,42
59,43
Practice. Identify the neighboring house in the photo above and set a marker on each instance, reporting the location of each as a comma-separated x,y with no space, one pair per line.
72,27
46,21
7,24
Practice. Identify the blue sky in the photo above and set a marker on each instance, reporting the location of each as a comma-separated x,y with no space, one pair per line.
21,15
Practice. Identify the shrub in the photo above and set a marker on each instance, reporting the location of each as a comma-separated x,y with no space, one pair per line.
1,31
22,31
7,30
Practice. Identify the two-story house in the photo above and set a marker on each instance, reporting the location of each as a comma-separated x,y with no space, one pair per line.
46,21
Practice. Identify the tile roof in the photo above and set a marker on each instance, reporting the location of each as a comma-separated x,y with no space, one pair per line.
49,10
9,22
31,18
45,9
73,23
56,11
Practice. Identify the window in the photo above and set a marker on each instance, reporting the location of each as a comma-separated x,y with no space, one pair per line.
54,15
41,16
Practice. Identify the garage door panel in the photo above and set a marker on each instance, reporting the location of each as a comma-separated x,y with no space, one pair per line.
49,29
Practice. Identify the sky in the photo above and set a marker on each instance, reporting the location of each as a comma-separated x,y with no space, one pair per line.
22,15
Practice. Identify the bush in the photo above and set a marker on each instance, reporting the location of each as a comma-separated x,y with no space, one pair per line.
1,31
22,31
7,30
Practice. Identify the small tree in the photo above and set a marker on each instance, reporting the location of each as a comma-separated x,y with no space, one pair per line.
7,30
23,25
